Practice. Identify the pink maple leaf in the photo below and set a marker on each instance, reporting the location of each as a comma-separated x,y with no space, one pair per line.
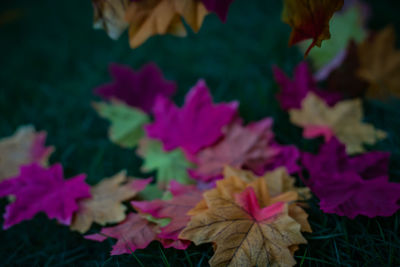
184,199
135,232
137,88
294,91
37,189
197,124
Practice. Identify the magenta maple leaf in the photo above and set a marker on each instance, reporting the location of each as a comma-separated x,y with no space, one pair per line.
199,123
351,186
220,7
332,158
294,91
37,189
137,88
184,199
286,156
135,232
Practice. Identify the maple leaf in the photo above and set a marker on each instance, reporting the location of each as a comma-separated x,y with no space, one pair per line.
241,147
220,7
345,26
380,64
110,16
153,17
135,232
136,88
344,121
197,124
351,186
24,147
294,91
332,158
286,156
170,165
105,204
244,233
184,199
126,123
37,189
309,19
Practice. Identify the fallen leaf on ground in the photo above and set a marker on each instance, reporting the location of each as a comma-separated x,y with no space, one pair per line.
110,16
153,17
37,189
126,122
294,91
245,232
309,19
344,120
135,232
169,165
380,64
241,147
105,205
196,125
24,147
139,88
184,199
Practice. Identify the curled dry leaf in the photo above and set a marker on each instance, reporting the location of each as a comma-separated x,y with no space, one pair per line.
105,205
126,122
153,17
344,121
110,16
247,226
380,64
24,147
309,19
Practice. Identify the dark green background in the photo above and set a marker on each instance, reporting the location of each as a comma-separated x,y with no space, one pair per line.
51,58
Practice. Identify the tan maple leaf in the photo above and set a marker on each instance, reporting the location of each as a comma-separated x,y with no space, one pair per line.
110,16
380,64
105,204
24,147
344,120
153,17
248,228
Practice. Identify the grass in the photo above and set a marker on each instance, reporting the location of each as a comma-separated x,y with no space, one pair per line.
52,58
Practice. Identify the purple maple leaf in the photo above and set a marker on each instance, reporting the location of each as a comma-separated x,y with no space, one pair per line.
294,91
197,124
137,88
351,186
37,189
220,7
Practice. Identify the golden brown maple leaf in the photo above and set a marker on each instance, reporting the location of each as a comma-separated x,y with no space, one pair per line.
248,227
105,204
110,16
152,17
309,19
380,64
344,120
24,147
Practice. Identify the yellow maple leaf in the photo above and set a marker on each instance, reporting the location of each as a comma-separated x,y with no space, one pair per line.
153,17
105,204
110,16
248,227
344,120
19,149
380,64
309,19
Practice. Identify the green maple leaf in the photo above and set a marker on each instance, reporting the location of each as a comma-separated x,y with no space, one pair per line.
126,122
171,165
